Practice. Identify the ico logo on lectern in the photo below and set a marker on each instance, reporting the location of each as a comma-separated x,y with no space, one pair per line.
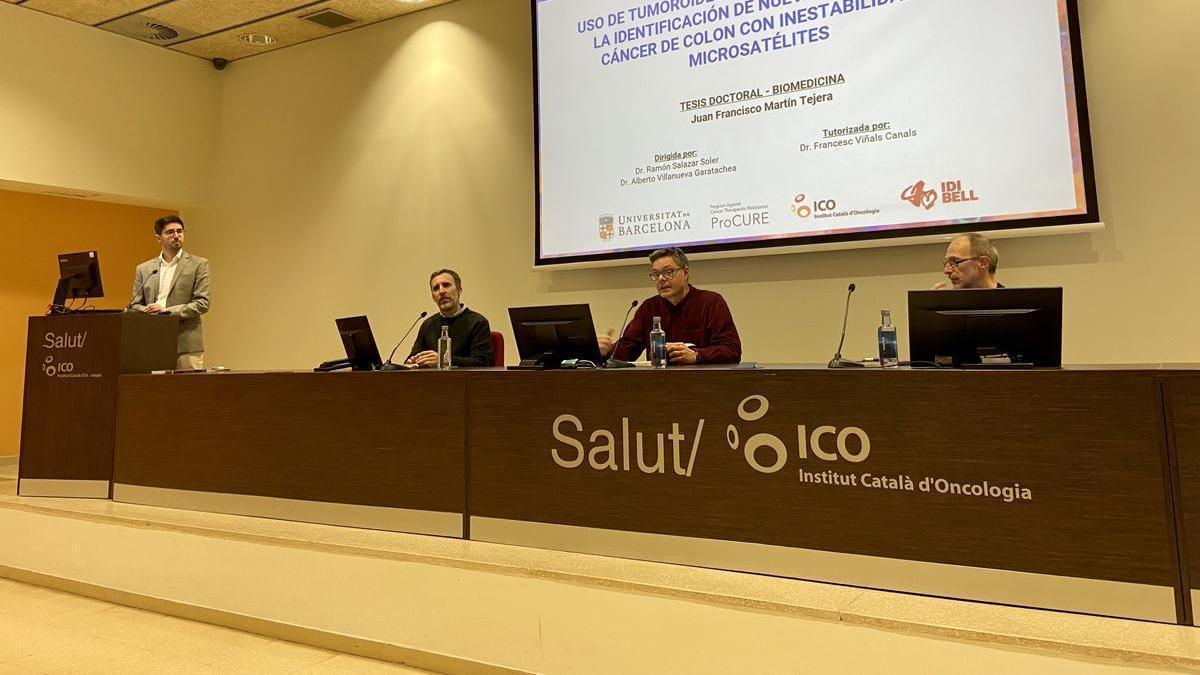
628,449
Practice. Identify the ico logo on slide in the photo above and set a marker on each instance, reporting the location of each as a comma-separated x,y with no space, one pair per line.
803,211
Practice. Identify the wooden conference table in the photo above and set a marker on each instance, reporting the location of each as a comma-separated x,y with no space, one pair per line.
1075,489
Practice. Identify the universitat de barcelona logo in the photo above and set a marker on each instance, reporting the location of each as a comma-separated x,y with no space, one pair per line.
606,227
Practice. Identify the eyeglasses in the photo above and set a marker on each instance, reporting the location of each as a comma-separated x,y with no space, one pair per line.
955,262
663,274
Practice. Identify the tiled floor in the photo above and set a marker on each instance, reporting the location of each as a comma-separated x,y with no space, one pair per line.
46,631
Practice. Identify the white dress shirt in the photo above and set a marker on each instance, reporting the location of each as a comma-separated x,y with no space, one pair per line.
166,274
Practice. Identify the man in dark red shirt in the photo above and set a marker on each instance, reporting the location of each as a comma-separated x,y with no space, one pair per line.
698,323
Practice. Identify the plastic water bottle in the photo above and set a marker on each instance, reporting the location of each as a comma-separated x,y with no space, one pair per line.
888,350
658,345
444,353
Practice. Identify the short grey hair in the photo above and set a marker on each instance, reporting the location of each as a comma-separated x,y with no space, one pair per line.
676,253
982,246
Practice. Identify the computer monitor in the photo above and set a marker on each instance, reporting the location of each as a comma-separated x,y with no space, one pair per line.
546,336
359,342
78,277
1000,327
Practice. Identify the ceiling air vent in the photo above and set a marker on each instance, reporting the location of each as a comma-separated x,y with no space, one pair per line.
156,32
329,18
146,29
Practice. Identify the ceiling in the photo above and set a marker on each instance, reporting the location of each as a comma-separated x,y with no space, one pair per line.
219,29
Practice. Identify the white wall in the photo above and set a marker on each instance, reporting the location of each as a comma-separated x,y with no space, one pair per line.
92,111
350,167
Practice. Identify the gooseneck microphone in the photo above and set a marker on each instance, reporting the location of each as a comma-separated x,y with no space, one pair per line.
614,362
147,280
388,365
129,307
838,361
625,321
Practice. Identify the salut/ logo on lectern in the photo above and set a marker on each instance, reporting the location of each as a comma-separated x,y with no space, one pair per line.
65,340
57,364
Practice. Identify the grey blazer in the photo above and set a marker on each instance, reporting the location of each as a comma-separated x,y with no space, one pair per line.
187,299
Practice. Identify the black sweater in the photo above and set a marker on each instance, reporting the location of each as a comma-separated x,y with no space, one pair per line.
470,338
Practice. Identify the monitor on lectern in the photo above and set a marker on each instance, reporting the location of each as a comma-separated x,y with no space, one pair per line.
78,278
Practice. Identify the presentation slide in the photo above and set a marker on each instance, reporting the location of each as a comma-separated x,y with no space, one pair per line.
733,124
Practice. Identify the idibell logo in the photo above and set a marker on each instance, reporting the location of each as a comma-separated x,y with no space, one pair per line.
799,208
918,196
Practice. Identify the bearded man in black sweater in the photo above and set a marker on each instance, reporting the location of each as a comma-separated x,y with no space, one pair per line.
470,333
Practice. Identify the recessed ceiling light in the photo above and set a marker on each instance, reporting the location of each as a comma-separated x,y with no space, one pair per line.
259,39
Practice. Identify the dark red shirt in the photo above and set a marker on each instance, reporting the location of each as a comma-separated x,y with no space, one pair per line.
702,318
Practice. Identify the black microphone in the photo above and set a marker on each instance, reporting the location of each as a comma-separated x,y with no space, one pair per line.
614,362
142,288
148,278
388,365
838,361
625,321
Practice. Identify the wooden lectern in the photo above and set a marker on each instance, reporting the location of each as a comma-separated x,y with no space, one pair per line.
68,424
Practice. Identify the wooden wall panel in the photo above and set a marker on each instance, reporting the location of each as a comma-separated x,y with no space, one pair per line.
1087,446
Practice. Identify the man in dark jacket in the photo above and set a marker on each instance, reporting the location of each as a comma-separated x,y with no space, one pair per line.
470,333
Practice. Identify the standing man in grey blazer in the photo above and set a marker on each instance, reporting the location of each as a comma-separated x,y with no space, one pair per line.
175,282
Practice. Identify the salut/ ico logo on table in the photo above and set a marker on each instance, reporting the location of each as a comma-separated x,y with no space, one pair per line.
659,451
826,442
54,365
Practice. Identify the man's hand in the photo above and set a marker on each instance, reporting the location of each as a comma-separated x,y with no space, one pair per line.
606,342
425,359
941,285
154,308
680,354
